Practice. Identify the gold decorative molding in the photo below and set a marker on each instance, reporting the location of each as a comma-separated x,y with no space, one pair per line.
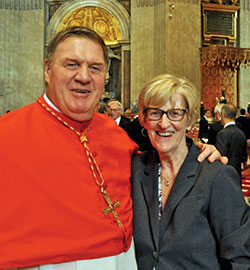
222,2
98,19
225,57
219,23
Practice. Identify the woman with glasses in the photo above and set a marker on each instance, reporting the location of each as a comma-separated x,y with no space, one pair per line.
187,215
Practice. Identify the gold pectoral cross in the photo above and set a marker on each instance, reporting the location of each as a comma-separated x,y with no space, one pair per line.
111,207
93,165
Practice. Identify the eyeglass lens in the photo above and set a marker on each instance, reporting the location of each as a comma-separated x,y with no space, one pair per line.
172,114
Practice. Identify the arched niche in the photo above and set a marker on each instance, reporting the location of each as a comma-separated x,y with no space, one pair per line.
114,15
111,6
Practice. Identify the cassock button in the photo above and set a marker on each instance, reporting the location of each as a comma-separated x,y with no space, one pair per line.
94,154
155,254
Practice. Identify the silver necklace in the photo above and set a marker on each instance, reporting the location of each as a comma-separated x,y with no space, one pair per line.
165,181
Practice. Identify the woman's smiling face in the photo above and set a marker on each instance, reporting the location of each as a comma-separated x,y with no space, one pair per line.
168,137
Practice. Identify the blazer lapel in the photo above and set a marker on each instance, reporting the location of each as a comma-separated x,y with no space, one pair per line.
150,189
183,183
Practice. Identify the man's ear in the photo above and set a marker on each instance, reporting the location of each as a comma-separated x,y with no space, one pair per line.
46,70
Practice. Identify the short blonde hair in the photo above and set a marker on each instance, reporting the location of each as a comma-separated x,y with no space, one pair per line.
157,92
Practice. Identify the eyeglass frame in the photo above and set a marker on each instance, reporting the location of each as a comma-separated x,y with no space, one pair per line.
166,112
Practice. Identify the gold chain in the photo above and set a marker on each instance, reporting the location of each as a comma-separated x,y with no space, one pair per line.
93,165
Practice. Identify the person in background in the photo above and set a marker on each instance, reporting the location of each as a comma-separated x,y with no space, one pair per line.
242,121
216,126
204,126
129,114
231,141
187,215
139,135
115,111
202,109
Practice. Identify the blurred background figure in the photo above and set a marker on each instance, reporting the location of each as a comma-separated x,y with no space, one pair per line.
114,109
242,121
139,135
202,109
216,126
204,126
129,114
231,141
248,108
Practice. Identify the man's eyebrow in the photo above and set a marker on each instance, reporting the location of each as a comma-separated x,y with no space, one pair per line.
70,59
98,63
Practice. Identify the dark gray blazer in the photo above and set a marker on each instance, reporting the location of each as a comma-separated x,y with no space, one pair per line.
205,223
232,143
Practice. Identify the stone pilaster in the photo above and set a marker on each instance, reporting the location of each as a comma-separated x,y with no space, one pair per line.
21,52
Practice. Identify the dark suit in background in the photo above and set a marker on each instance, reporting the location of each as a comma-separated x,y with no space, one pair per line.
203,129
241,122
205,224
212,132
231,142
134,131
124,122
248,128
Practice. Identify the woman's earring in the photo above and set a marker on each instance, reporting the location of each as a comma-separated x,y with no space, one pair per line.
144,132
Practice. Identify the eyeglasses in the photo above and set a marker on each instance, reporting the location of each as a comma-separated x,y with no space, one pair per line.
172,114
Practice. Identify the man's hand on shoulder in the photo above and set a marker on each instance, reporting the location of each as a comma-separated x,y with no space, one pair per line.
210,152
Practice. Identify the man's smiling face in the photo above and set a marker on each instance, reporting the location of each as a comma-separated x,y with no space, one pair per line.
75,77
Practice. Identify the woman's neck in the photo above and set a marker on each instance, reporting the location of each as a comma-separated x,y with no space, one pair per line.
171,163
170,166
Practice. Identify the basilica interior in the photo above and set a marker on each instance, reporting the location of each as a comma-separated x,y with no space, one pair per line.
205,41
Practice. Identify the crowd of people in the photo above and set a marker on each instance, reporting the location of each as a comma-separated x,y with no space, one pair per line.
229,131
72,199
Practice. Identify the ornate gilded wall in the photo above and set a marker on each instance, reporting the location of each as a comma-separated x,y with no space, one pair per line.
214,80
226,69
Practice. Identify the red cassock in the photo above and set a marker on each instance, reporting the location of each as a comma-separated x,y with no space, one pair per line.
51,206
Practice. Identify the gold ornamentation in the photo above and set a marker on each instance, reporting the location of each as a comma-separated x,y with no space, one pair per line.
225,56
97,19
93,166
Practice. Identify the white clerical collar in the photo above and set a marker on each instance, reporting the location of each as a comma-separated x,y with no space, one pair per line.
50,103
229,124
117,120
